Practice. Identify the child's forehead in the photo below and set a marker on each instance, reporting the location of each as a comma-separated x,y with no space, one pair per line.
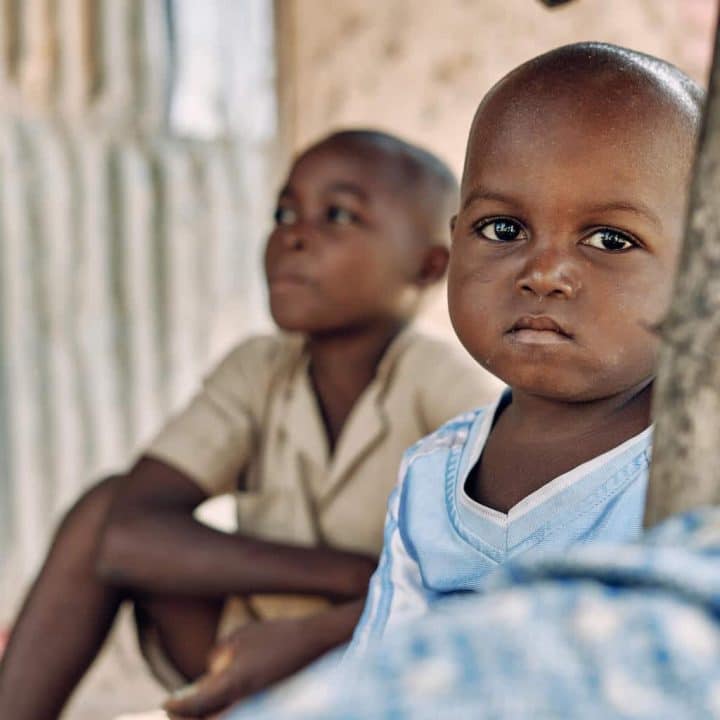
363,170
589,110
338,158
542,134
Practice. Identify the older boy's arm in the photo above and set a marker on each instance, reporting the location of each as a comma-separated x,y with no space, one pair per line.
152,543
260,654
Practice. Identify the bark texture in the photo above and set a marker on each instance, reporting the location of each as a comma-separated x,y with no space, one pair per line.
686,451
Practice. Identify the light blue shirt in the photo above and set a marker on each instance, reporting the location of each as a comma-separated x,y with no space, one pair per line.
439,541
602,632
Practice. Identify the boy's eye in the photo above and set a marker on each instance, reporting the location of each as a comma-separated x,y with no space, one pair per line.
284,216
610,240
500,230
340,216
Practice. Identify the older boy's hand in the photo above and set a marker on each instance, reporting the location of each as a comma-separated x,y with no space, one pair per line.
249,660
260,654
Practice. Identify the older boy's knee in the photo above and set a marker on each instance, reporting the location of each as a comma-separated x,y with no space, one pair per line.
93,505
80,530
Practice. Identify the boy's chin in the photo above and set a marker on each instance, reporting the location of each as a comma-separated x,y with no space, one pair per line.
293,326
564,389
554,384
302,325
292,318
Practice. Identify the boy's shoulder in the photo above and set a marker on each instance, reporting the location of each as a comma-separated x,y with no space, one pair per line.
262,353
452,435
414,348
442,376
423,347
253,367
269,345
414,345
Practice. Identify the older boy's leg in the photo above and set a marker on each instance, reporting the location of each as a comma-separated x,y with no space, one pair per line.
69,613
184,631
65,619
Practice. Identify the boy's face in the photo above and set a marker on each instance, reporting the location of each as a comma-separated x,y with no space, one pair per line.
344,250
565,244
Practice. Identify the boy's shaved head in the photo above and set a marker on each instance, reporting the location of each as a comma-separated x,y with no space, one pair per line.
600,79
428,184
614,68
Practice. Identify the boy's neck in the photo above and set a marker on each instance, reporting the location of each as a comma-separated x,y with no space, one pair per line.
343,364
569,419
536,440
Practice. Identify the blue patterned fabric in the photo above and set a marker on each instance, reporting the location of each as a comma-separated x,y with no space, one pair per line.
605,631
438,541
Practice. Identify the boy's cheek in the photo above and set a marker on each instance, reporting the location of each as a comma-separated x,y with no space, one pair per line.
467,263
473,304
480,336
647,312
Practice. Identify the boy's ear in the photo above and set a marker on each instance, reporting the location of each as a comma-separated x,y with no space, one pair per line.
434,265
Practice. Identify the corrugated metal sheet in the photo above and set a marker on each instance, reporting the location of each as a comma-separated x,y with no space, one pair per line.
122,245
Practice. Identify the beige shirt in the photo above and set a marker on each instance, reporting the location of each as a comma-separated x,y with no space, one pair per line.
255,429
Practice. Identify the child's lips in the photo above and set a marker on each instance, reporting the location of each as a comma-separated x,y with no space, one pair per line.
538,330
287,280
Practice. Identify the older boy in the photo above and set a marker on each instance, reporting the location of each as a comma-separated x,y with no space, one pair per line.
564,248
308,427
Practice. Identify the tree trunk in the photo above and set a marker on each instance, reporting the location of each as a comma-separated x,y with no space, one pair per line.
686,448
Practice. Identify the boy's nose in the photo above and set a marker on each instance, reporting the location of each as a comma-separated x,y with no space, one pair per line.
294,237
549,274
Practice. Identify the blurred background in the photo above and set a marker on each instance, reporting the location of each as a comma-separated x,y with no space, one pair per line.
141,145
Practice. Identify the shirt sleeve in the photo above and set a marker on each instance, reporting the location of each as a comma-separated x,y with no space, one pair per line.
211,440
396,592
452,383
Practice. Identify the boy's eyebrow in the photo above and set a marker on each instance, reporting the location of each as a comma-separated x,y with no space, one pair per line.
340,186
480,193
348,187
637,208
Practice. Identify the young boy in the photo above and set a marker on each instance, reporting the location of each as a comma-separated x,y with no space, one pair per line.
309,427
564,247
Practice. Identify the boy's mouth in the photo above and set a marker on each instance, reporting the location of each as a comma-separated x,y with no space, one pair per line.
283,279
538,330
